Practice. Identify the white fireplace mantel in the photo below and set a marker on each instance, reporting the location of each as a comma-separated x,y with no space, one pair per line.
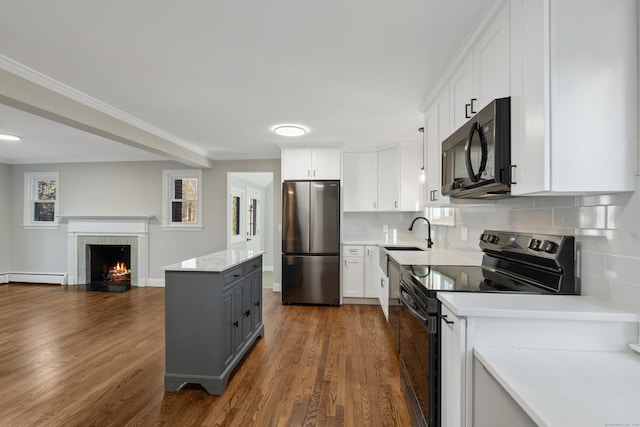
79,227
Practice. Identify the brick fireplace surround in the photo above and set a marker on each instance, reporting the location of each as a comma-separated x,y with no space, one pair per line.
107,230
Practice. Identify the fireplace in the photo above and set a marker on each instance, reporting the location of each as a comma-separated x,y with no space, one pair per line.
86,231
108,268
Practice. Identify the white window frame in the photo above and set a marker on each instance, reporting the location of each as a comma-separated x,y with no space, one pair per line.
167,197
30,194
237,192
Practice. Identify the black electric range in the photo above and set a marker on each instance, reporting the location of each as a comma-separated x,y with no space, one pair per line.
512,262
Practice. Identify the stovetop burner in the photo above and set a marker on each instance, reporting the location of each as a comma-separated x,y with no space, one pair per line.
512,262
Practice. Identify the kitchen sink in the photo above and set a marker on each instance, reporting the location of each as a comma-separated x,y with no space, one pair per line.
403,248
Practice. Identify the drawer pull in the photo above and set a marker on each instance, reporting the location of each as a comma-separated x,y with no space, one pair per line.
237,275
447,321
257,303
236,323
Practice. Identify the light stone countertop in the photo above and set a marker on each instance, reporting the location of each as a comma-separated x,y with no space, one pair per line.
569,388
215,262
528,306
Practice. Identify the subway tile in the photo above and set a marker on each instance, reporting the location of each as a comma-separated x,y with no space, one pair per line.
604,199
584,217
619,242
535,217
596,287
592,264
554,202
623,269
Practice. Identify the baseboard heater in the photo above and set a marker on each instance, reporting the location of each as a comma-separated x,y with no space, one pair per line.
53,278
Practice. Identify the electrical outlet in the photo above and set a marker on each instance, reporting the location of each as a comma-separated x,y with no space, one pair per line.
385,228
464,233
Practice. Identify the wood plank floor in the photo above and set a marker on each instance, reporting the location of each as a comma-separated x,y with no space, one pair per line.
75,358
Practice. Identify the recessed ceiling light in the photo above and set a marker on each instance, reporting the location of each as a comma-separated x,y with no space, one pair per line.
290,130
6,137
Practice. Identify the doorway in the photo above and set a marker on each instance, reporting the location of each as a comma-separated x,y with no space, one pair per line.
250,213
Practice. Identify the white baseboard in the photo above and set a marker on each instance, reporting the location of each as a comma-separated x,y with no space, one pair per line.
277,287
155,283
4,278
267,268
29,277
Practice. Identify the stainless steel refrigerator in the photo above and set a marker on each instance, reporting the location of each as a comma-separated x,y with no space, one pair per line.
311,242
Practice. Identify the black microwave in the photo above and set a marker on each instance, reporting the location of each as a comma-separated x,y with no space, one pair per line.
476,159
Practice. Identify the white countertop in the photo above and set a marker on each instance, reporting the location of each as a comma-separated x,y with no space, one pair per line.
215,262
559,307
569,388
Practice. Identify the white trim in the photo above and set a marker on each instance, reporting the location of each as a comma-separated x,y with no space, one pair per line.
155,283
47,82
126,226
30,178
167,177
277,287
31,277
267,268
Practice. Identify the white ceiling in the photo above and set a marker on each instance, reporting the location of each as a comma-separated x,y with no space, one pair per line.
219,75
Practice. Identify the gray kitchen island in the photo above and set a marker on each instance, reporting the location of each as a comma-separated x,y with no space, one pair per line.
213,316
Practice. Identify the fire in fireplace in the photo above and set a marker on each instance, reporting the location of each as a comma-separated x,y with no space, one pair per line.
108,268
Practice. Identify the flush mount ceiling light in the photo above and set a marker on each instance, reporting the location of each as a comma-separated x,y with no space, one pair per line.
289,130
7,137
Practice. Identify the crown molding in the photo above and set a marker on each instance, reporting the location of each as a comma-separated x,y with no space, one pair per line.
53,85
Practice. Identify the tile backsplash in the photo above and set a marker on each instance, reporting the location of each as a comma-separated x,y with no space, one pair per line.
607,230
606,227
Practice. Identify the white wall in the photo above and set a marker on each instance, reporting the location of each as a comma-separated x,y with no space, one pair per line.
5,215
128,188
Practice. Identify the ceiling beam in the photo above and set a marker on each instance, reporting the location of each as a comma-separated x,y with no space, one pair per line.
34,98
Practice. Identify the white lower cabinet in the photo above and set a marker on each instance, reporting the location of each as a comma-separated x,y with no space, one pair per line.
371,272
453,342
512,323
352,272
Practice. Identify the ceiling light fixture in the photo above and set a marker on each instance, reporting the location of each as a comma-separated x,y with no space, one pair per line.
7,137
289,130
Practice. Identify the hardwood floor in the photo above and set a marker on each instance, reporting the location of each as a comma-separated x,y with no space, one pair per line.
75,358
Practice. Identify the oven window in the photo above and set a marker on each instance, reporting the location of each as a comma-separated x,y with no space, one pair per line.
416,345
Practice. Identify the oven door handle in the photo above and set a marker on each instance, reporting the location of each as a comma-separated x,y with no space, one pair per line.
413,312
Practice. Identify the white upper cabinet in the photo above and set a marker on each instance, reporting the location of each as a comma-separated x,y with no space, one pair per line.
484,74
360,182
574,96
461,87
436,129
313,164
399,186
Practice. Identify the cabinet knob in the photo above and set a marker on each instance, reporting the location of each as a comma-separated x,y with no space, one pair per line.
257,303
236,323
247,313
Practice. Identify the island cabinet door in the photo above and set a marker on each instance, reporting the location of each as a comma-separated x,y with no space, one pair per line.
247,309
228,327
237,317
256,309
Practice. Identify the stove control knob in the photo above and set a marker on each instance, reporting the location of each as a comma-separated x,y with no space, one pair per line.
534,244
482,237
548,247
492,238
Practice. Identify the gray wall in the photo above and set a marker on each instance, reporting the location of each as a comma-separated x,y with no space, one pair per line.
128,188
5,215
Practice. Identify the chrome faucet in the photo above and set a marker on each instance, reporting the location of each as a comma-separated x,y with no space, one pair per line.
429,241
